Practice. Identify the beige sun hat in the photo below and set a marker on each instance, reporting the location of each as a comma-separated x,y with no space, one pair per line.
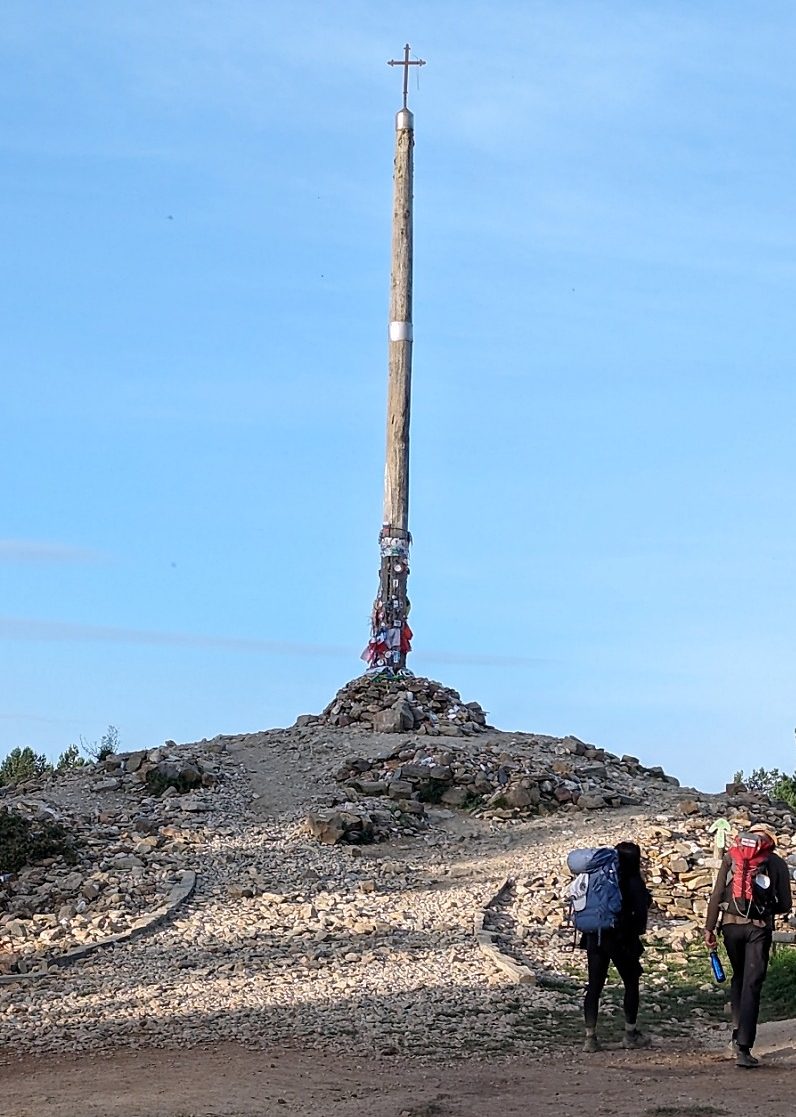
763,828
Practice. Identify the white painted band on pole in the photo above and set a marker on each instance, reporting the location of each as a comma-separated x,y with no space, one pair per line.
404,119
400,331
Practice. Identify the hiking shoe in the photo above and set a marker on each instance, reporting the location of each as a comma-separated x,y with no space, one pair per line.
591,1044
746,1059
635,1039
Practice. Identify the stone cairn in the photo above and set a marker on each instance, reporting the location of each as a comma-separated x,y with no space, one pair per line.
373,810
401,704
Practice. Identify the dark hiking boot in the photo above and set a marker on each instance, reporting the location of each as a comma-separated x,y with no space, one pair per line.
635,1040
746,1059
591,1044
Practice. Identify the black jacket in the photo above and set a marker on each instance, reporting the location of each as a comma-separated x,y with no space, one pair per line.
636,901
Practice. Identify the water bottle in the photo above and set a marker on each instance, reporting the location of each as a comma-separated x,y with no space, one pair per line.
716,966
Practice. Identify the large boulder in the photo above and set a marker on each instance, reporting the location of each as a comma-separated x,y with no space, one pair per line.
182,775
331,826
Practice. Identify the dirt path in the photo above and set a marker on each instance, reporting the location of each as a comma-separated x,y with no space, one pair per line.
233,1082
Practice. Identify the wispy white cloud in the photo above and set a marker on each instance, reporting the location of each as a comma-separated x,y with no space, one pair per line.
38,719
24,628
38,551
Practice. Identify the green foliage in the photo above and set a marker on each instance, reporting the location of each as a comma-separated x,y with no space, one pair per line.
763,780
771,782
23,841
23,764
778,1001
70,759
107,745
785,789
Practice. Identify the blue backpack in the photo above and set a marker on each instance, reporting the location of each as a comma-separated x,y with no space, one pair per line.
594,895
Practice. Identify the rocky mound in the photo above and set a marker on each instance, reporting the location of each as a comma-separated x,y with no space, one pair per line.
401,704
131,832
504,775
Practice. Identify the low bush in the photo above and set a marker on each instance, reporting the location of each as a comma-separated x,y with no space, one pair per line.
107,745
778,1001
24,841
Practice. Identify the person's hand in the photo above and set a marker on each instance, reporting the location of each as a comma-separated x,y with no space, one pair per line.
710,940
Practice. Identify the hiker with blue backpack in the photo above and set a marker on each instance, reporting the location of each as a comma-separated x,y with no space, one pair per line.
609,903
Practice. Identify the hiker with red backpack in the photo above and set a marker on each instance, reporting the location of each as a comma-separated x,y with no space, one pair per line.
609,902
752,886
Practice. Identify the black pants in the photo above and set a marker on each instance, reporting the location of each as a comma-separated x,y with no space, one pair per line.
748,948
625,956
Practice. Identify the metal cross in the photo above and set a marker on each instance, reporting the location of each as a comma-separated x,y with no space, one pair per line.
406,63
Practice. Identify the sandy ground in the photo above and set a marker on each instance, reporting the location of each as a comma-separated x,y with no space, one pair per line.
230,1081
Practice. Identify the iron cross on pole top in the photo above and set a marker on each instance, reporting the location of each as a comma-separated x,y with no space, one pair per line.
406,63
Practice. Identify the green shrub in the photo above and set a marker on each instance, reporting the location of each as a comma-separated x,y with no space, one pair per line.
785,788
70,759
778,1001
107,745
771,782
23,841
23,764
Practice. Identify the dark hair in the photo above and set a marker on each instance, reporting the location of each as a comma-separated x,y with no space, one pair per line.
629,859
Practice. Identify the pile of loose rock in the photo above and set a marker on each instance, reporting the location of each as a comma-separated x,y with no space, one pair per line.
132,834
680,862
162,771
364,821
390,703
504,776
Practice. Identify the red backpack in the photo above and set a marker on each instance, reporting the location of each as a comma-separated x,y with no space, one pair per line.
749,883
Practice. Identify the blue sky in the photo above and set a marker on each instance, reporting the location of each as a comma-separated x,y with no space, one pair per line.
195,211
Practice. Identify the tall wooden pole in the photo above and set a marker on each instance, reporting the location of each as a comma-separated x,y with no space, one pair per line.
390,633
